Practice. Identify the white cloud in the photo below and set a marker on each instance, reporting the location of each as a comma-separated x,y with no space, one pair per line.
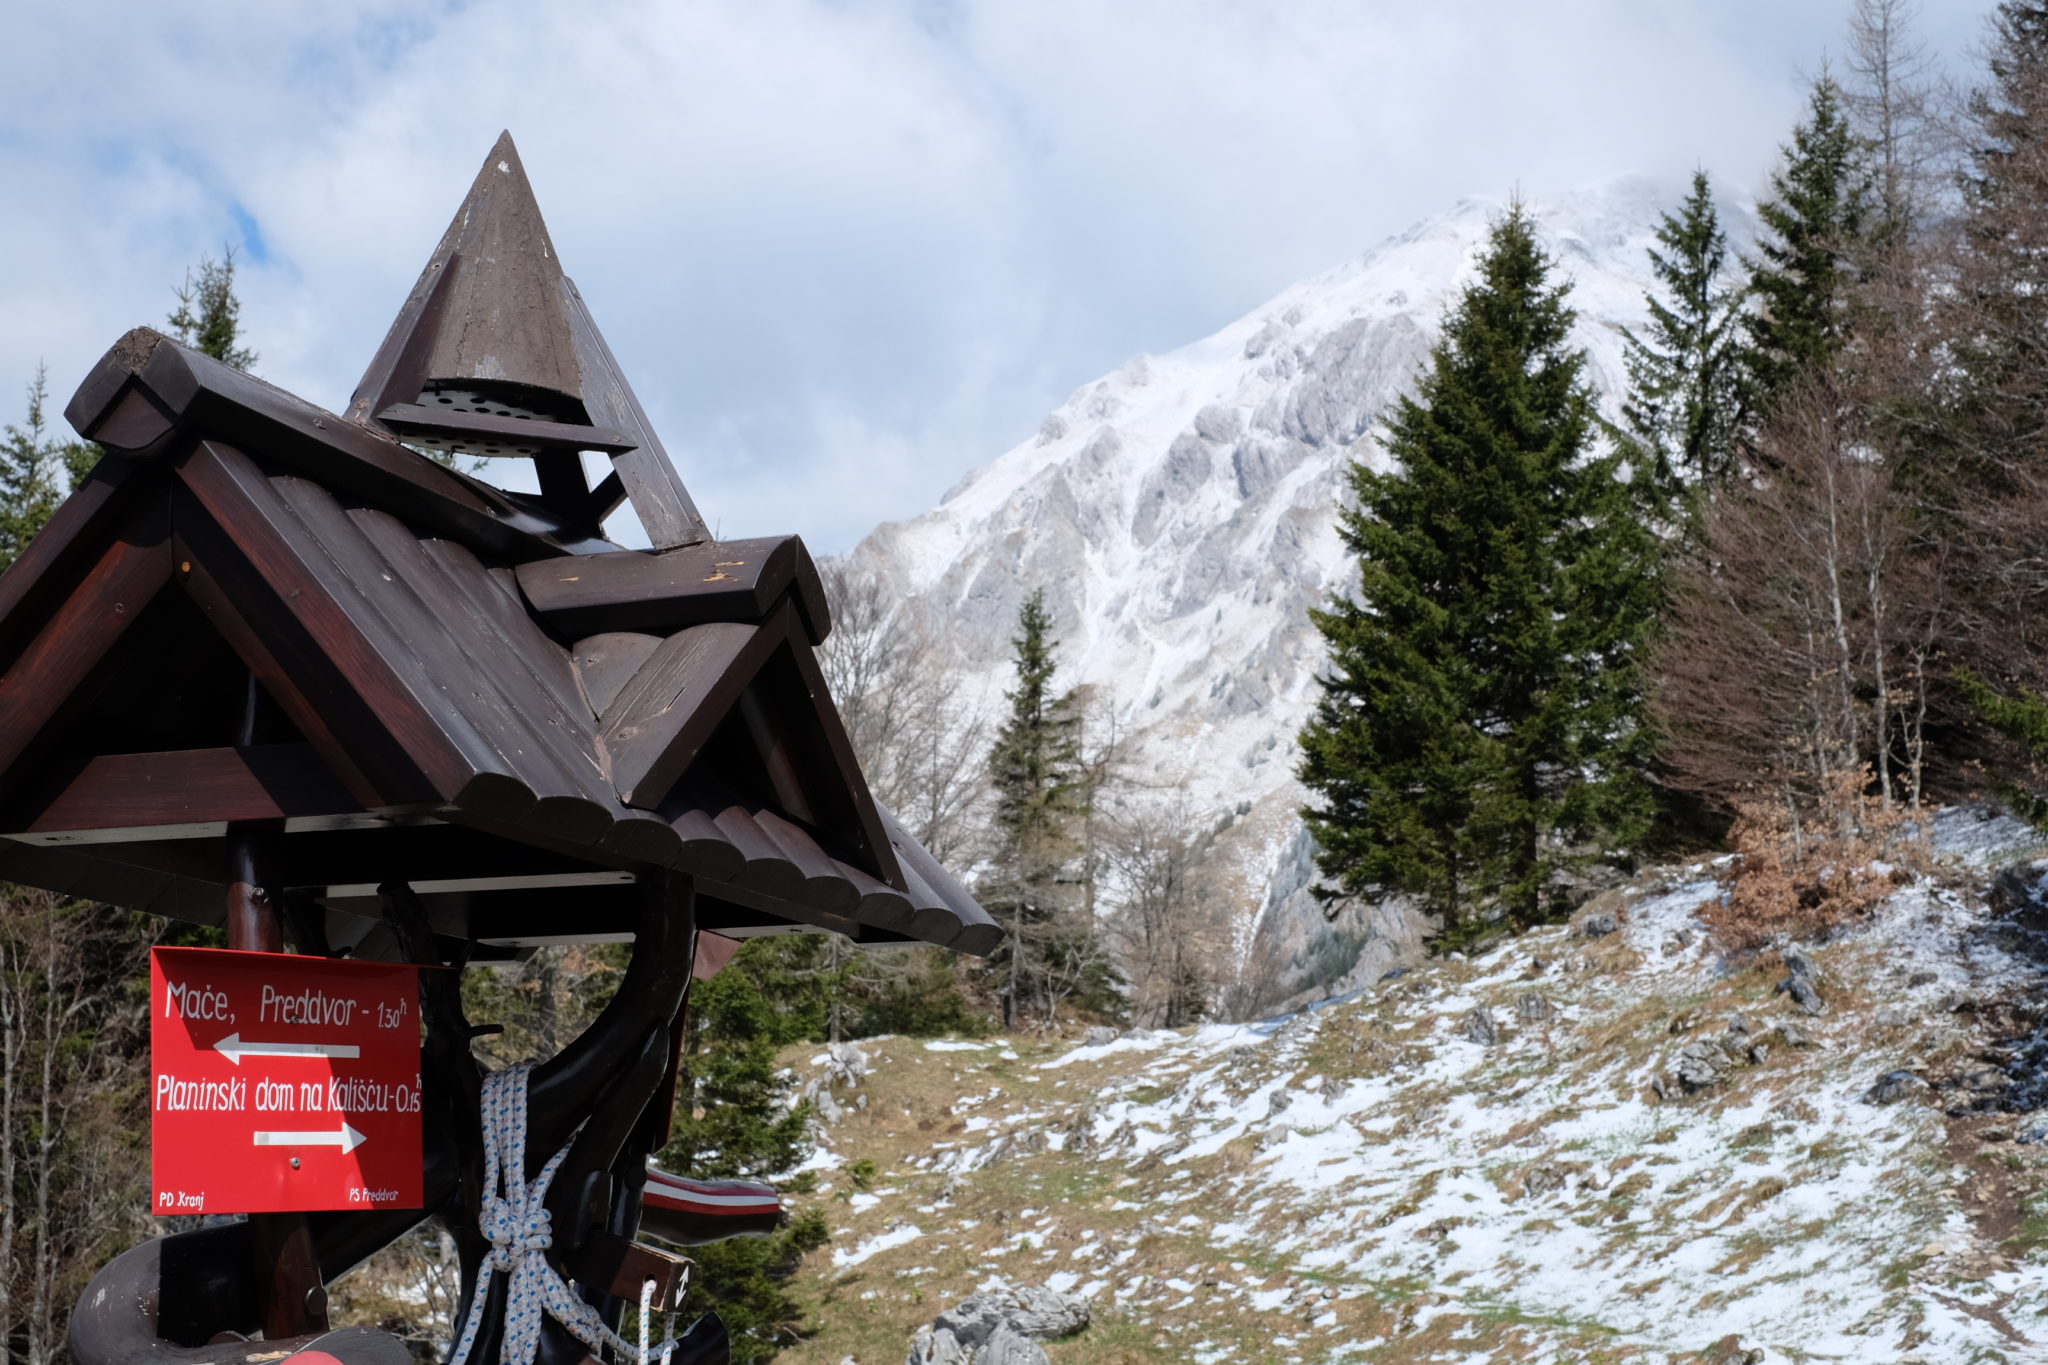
845,250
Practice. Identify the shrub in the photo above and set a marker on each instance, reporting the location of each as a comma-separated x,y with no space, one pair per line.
1800,873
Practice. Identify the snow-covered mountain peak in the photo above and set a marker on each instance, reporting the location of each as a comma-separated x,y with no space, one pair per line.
1180,512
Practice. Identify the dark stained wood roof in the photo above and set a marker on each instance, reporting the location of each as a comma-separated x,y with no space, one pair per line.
466,693
495,353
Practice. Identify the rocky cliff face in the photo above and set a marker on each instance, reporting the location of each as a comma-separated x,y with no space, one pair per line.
1181,516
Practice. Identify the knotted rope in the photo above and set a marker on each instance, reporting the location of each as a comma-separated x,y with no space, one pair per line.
515,1219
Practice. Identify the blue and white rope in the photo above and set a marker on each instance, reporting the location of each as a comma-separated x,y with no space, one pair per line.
520,1232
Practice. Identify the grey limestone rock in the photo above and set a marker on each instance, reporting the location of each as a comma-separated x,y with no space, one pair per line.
1479,1028
1099,1035
1598,925
1002,1326
1804,995
1534,1007
1894,1086
1219,422
1702,1063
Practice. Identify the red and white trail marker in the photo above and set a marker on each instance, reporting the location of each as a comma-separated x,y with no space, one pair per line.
280,1082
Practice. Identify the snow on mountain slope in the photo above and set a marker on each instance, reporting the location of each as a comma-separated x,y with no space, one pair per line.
1622,1148
1181,516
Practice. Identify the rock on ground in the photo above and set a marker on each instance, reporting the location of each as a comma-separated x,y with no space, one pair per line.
1000,1327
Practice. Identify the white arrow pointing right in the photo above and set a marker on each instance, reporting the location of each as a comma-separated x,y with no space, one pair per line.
344,1137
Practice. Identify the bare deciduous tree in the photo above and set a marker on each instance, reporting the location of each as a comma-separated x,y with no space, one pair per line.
919,739
1798,642
73,1025
1890,94
1167,931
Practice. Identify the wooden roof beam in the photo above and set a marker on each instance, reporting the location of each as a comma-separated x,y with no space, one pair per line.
149,394
732,580
129,792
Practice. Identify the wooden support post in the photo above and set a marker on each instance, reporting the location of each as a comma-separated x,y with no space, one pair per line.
284,1262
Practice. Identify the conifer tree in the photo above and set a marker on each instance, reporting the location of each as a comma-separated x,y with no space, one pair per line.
1821,205
1684,412
1478,732
29,486
1041,794
1985,469
208,317
36,468
734,1118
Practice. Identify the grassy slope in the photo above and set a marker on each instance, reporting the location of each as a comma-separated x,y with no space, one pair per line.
1361,1182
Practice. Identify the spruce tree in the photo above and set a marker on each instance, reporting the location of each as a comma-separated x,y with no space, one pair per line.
29,486
1039,780
36,468
734,1117
1479,731
208,317
1684,412
1821,205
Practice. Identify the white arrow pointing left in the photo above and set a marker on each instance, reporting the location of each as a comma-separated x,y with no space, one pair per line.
344,1137
234,1049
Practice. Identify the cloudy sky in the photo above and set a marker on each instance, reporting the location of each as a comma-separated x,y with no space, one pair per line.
845,249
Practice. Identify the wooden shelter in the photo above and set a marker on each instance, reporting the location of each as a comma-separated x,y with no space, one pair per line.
463,688
280,668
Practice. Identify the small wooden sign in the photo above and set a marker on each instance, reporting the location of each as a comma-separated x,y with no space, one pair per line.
280,1082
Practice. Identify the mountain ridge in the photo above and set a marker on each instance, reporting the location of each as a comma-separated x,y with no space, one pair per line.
1180,513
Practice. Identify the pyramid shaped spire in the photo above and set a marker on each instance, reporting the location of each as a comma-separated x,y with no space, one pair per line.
490,302
494,353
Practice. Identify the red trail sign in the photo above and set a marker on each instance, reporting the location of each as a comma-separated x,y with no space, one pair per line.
280,1082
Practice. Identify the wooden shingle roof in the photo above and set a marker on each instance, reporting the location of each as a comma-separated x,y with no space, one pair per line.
464,688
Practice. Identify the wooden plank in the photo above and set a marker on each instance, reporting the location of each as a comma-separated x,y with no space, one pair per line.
734,580
291,669
825,886
207,398
605,663
191,786
398,371
489,428
773,733
495,596
563,484
845,811
136,421
652,485
79,874
372,694
705,850
74,537
768,871
451,612
40,683
943,886
345,590
605,499
664,716
604,1260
